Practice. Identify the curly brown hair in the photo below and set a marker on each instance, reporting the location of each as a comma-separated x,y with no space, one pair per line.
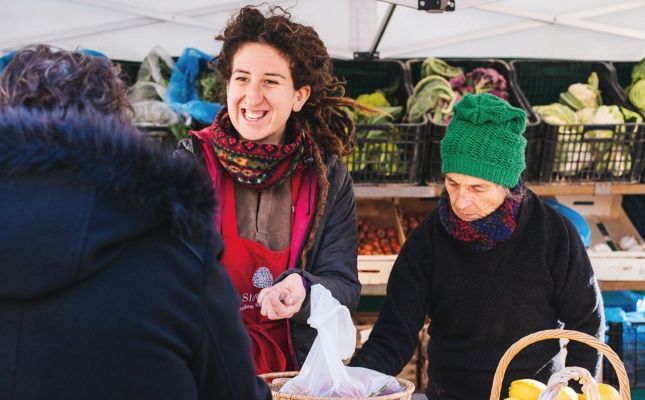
324,114
46,78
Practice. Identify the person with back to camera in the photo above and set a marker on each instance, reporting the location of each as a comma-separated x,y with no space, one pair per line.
287,211
491,264
110,285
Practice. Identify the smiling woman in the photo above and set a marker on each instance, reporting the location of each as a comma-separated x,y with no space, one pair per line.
285,203
261,96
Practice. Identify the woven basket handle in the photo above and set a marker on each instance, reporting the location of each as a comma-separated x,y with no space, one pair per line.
516,347
272,375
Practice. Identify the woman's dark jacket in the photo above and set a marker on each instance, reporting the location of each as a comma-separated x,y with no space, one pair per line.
109,281
332,261
480,303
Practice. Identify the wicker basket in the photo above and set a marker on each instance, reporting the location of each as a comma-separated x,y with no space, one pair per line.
275,383
623,381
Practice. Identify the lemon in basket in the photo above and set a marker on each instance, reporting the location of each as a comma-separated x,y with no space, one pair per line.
606,392
526,389
566,393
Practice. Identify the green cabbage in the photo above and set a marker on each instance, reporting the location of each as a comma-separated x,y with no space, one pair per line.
436,66
636,93
557,114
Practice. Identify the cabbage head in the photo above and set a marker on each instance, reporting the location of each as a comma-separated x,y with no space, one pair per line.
636,93
556,114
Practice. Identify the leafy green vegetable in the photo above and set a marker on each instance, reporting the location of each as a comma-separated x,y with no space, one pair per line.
377,150
636,94
210,87
436,66
431,95
157,67
606,151
376,99
556,114
638,72
582,95
442,85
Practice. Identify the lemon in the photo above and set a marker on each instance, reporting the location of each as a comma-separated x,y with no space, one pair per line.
567,393
606,392
526,389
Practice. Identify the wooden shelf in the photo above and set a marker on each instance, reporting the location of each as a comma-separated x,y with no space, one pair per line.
396,190
378,289
618,285
362,190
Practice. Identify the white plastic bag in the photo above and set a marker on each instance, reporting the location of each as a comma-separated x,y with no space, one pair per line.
558,381
323,372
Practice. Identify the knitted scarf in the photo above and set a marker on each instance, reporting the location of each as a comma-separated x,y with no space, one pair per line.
259,166
485,233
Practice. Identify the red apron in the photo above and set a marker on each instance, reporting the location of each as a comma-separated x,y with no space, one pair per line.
253,267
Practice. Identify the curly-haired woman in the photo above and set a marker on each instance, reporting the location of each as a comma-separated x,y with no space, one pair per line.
286,208
43,77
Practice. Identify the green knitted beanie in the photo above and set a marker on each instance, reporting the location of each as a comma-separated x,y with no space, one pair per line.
485,139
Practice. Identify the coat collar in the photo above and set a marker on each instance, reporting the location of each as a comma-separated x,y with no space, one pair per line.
114,158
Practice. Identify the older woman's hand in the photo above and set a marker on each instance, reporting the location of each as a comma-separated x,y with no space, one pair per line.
283,299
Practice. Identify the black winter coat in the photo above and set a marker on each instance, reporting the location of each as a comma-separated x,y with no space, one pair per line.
109,281
480,303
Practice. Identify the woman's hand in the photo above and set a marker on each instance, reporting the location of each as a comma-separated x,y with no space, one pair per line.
283,299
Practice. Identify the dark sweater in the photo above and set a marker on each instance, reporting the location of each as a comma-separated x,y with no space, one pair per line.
480,303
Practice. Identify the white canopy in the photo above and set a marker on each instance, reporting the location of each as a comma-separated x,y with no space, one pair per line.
127,30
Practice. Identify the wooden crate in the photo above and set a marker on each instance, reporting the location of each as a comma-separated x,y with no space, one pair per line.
609,223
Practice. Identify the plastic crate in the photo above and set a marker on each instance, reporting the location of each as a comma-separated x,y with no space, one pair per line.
581,153
623,72
397,156
437,132
129,70
634,206
627,339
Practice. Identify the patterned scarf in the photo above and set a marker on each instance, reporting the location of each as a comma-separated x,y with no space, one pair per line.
483,234
259,166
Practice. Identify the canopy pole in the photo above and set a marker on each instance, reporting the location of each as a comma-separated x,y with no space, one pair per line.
372,53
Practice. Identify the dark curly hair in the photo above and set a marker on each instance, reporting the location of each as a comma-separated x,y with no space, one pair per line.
324,114
46,78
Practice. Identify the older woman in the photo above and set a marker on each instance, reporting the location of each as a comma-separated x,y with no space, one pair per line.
488,266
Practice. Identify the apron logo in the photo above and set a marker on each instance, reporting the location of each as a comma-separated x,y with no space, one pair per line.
262,278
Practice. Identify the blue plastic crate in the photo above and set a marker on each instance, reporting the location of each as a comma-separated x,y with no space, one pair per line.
627,339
